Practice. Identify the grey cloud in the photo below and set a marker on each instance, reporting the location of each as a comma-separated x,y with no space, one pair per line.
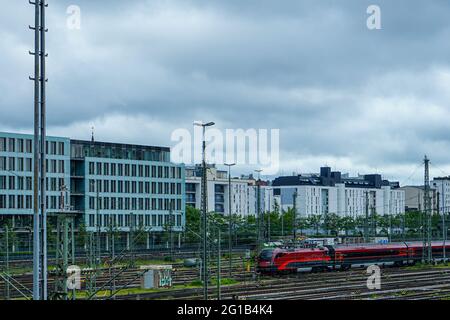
377,99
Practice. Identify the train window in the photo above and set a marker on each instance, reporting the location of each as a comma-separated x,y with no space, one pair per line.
266,254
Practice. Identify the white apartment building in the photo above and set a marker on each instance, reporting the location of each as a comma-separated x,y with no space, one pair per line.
442,187
243,191
332,192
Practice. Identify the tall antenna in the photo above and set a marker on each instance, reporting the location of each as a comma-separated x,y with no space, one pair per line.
426,222
39,208
92,134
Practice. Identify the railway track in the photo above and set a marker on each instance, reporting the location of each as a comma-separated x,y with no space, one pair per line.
130,278
396,284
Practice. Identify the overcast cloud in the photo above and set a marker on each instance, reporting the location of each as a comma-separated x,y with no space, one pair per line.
358,100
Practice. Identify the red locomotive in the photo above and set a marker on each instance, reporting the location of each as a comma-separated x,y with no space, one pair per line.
345,257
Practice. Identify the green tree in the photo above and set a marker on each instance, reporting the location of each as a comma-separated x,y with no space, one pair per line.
315,221
348,224
332,223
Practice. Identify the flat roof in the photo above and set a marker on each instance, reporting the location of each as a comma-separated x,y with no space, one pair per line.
118,145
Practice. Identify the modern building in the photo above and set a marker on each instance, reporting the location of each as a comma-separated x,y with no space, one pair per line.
119,184
105,184
414,198
242,191
442,187
16,175
333,192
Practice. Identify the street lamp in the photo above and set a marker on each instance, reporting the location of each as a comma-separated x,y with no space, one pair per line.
229,165
204,259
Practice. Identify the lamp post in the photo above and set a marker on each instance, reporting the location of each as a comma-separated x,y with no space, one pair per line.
204,217
229,165
268,194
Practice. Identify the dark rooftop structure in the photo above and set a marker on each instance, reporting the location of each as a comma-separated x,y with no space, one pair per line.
330,178
94,149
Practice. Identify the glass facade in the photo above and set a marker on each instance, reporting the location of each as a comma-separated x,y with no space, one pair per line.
118,183
16,173
114,184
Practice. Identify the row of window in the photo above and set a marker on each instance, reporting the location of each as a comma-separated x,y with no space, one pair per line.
134,170
26,183
26,202
113,203
26,146
139,220
136,187
25,165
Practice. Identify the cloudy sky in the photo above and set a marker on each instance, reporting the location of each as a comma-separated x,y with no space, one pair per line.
356,99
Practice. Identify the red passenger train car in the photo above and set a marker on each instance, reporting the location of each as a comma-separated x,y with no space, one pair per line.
345,257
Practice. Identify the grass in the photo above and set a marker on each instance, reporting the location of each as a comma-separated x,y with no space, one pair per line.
420,266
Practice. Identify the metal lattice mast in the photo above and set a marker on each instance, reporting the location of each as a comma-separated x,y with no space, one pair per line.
36,228
132,240
294,205
259,220
93,250
43,251
65,257
426,251
366,220
91,276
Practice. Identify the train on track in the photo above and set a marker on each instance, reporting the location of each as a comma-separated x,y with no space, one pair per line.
344,257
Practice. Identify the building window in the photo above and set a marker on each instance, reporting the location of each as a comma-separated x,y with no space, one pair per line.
20,145
99,168
29,146
2,182
11,164
12,145
91,203
61,148
91,168
61,166
2,201
92,220
28,165
2,163
2,144
11,202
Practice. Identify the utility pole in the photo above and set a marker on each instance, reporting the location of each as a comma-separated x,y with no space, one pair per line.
230,216
390,219
258,210
268,214
204,208
39,205
444,229
373,224
219,296
294,205
43,80
132,240
171,230
7,283
366,227
98,229
426,251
